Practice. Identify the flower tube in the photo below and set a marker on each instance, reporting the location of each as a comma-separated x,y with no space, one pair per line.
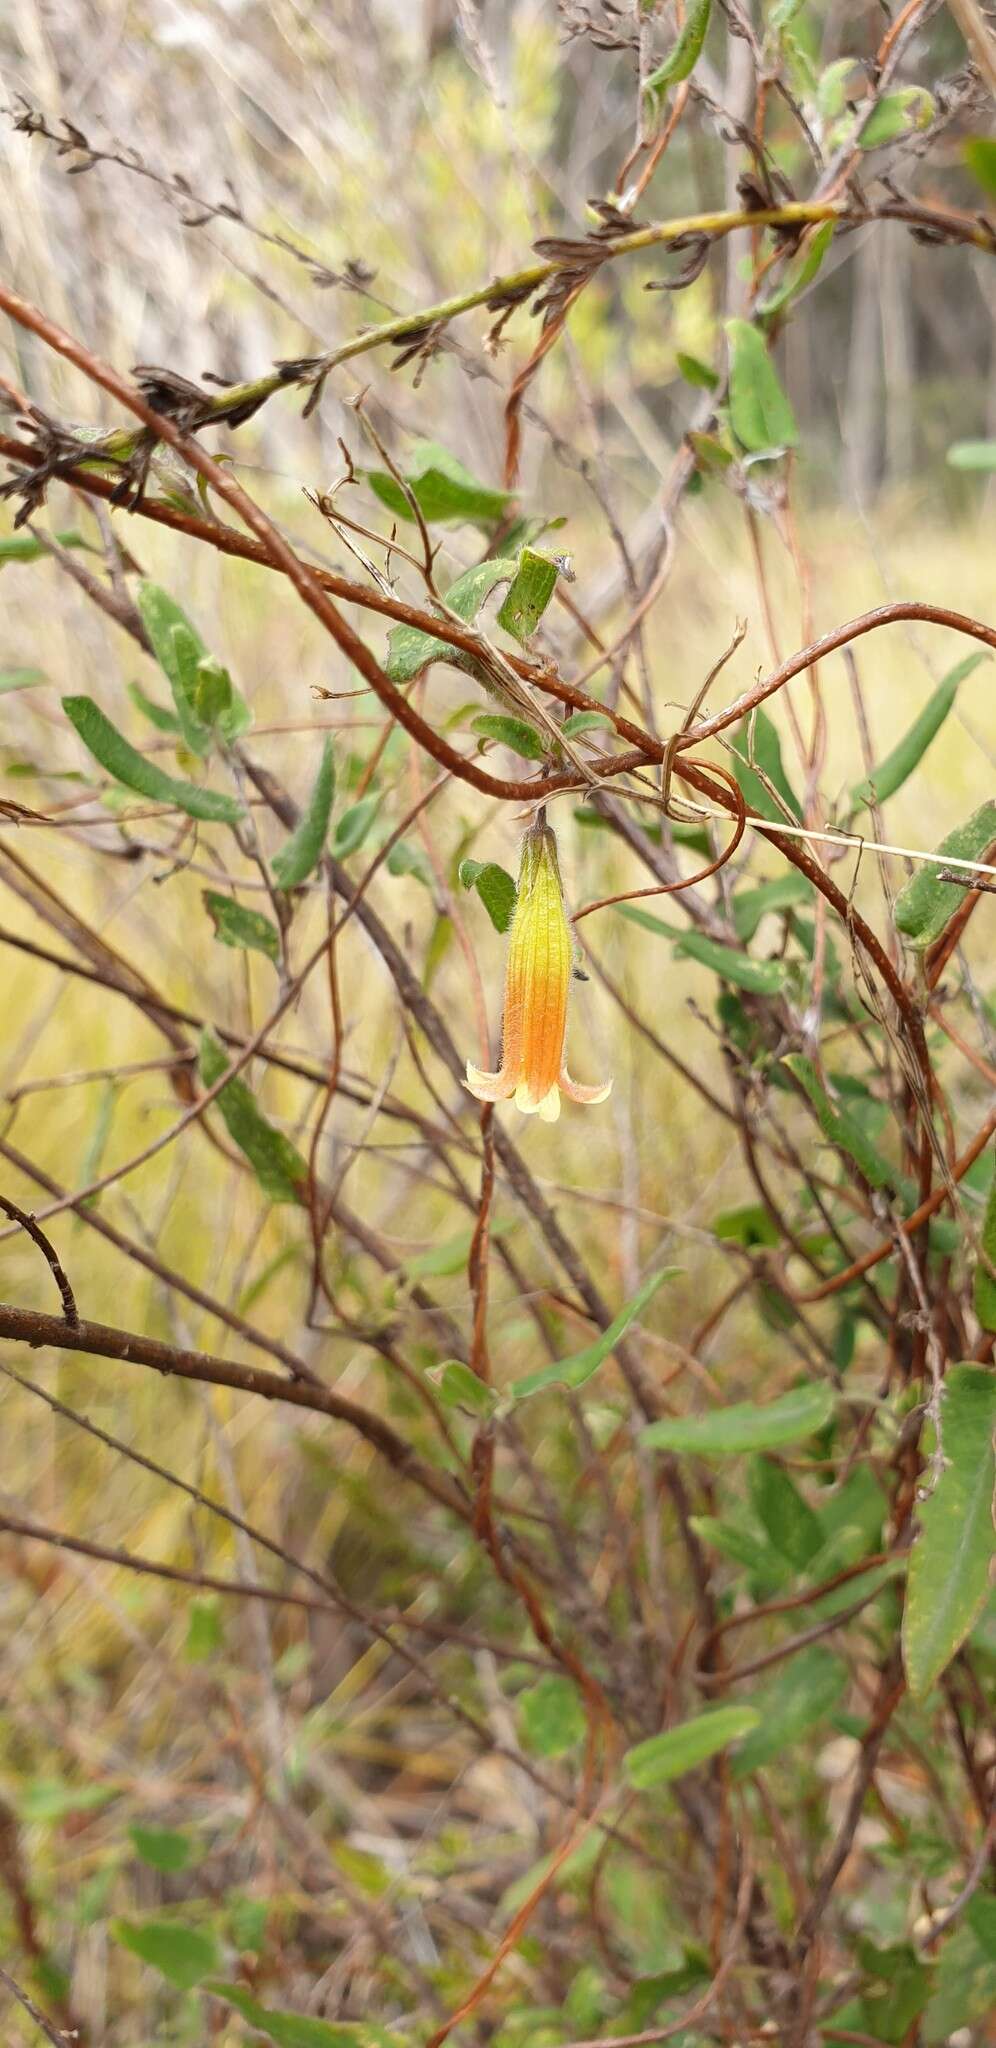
537,984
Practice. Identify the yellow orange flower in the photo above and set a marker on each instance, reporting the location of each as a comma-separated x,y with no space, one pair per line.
537,982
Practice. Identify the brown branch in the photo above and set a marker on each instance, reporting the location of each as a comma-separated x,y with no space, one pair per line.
102,1340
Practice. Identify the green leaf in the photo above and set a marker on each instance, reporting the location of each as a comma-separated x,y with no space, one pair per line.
183,1955
710,452
50,1799
277,1164
744,1425
552,1716
805,1692
23,547
751,905
495,888
459,1387
165,1849
157,714
528,595
756,745
891,773
695,372
948,1578
406,859
760,414
178,648
799,271
979,153
234,925
761,977
965,1987
681,1749
575,1371
831,91
127,765
842,1127
786,1518
298,2029
985,1284
749,1225
302,852
899,113
585,721
20,679
972,455
442,488
925,905
410,650
205,1633
354,826
511,732
217,702
683,57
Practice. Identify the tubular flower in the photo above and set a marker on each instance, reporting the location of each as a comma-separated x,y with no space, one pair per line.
537,981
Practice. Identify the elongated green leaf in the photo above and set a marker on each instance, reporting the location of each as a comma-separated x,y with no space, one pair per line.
178,648
585,721
925,905
806,1691
832,89
235,925
495,888
841,1126
183,1955
410,650
298,2029
528,595
165,1849
985,1283
891,773
682,59
682,1749
552,1716
950,1562
744,1425
442,488
799,271
785,1516
459,1387
303,850
574,1372
760,414
756,746
354,826
750,905
696,372
972,455
979,153
761,977
406,859
157,714
898,113
127,765
277,1164
23,547
510,732
965,1986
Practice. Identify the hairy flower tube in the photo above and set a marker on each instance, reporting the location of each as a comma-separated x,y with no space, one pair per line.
537,983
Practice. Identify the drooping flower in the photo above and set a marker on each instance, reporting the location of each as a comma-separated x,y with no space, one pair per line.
537,983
